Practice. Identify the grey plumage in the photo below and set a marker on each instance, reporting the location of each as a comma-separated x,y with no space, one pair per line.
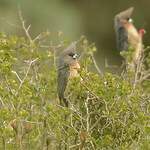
67,57
62,80
121,33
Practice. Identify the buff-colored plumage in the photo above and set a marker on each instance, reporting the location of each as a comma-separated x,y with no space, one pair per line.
134,40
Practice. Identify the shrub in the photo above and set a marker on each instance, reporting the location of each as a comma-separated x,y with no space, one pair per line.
105,112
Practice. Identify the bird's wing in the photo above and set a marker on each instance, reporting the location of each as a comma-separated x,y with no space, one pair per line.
122,39
62,80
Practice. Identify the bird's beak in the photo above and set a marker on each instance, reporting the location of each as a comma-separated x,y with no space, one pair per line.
75,56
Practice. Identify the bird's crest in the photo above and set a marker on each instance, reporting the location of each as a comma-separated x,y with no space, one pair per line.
126,14
70,48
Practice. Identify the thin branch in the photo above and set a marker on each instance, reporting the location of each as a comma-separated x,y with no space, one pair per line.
74,146
89,90
1,102
26,29
38,37
146,76
51,46
27,72
8,86
87,112
96,66
17,76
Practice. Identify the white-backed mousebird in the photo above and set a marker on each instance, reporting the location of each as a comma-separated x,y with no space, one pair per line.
68,66
121,33
127,35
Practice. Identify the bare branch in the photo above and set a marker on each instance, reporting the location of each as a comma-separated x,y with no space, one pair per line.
17,76
96,66
26,29
87,113
89,90
27,72
74,146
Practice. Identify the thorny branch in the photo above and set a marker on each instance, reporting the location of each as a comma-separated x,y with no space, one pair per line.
27,72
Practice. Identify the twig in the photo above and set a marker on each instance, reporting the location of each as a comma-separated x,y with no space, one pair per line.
74,146
17,76
144,77
1,102
96,66
27,72
138,69
90,90
8,86
87,112
37,37
26,29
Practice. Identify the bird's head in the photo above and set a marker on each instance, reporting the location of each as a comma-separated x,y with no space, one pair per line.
70,57
72,60
126,23
124,18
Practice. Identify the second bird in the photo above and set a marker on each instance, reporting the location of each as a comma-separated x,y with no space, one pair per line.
128,36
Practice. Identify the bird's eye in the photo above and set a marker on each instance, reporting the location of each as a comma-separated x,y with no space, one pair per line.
74,55
71,54
130,20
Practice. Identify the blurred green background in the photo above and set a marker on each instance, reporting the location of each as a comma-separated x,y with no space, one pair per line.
92,18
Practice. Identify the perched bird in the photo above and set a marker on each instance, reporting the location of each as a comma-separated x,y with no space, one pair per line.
127,35
68,66
121,33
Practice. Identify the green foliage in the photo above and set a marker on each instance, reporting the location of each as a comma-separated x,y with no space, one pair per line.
105,112
128,54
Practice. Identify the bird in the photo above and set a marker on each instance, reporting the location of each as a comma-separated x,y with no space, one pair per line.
121,33
68,66
127,35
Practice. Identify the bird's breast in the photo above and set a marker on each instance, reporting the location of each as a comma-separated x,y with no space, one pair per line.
133,36
135,42
74,67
